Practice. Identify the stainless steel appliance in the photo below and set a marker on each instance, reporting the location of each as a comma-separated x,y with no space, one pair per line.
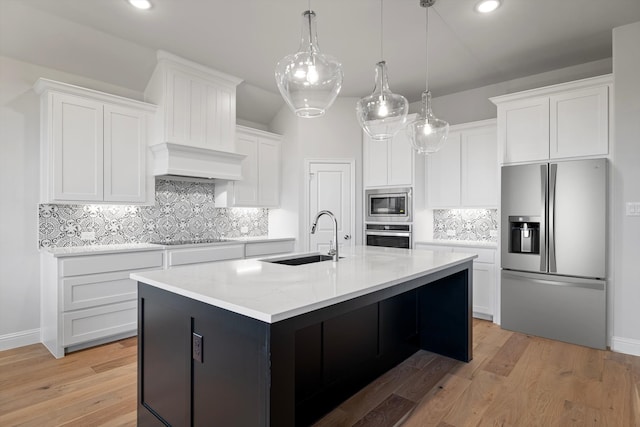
553,217
388,205
389,235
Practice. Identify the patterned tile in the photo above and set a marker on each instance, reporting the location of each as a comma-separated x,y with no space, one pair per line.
468,224
183,211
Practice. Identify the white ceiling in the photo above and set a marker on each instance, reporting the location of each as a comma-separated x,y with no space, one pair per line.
109,41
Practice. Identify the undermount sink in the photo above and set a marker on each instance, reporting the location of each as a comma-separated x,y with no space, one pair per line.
301,259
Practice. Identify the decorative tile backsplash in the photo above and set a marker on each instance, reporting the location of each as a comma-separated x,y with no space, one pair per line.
466,224
183,211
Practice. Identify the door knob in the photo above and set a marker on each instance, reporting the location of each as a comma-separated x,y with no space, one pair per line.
347,237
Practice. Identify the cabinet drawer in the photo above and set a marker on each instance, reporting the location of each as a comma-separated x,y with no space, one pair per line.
99,322
94,264
484,255
268,248
204,254
97,289
433,247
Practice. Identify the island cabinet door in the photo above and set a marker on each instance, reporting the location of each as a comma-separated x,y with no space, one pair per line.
350,344
398,328
230,375
164,359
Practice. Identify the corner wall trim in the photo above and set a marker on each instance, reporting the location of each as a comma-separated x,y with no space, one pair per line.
19,339
625,345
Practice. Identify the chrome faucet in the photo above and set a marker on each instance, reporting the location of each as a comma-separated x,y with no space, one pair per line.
332,251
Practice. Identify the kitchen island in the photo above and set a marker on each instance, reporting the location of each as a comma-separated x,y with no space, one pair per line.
258,343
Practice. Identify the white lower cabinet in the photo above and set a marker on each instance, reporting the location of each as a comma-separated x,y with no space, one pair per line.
484,276
89,299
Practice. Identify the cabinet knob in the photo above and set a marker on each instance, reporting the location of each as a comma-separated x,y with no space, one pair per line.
347,237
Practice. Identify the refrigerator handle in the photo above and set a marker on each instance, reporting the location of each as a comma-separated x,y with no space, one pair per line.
543,203
553,171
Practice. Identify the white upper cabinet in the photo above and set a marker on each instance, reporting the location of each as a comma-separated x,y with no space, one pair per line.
260,183
579,123
125,154
443,174
464,173
557,122
388,163
525,134
197,105
93,145
479,165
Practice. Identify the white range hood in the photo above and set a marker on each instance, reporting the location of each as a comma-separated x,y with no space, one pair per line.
180,160
196,120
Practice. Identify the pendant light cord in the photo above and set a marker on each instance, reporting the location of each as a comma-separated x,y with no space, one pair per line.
381,31
426,43
313,60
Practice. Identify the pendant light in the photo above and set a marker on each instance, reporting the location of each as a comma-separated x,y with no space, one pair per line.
427,133
308,80
382,113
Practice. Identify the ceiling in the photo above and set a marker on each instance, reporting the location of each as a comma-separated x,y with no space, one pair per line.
107,40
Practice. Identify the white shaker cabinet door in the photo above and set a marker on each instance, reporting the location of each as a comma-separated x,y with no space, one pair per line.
77,148
245,191
400,160
269,173
375,162
479,171
124,154
260,183
443,174
524,130
579,123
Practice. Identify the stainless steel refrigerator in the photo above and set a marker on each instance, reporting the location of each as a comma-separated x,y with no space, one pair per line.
554,250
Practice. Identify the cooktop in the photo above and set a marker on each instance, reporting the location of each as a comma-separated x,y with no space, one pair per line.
191,242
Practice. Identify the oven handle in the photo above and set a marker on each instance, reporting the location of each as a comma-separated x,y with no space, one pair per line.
387,233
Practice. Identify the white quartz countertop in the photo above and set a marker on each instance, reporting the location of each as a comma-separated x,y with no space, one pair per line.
260,239
273,292
461,243
136,247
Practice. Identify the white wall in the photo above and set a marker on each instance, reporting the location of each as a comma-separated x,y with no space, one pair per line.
19,190
626,181
336,135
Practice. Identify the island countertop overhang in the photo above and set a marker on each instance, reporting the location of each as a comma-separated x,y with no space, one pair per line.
272,292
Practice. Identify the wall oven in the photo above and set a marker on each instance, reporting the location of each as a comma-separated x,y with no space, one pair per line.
388,205
389,235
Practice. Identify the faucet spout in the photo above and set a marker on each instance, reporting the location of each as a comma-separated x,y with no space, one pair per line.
332,251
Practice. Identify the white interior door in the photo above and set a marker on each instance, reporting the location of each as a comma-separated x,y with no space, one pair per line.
331,187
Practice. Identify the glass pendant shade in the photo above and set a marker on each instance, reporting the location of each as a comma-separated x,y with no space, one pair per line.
382,113
427,133
308,80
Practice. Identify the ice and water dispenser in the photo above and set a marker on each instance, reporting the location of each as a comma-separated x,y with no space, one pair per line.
524,236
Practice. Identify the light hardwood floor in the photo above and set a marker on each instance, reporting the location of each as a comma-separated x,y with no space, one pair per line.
513,380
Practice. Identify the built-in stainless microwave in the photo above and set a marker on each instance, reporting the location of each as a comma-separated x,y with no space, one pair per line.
388,205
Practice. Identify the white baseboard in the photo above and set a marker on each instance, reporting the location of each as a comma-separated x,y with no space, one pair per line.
625,345
19,339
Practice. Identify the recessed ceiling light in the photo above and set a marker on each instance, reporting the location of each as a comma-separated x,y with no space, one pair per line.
486,6
140,4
